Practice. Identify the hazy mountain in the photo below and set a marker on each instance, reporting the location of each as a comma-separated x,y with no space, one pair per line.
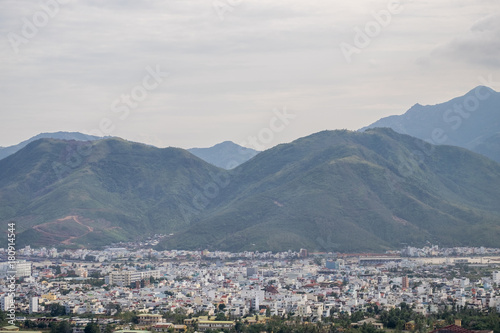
226,155
331,191
471,121
6,151
70,192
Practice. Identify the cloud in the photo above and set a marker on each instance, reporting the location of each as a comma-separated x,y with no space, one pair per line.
228,75
479,46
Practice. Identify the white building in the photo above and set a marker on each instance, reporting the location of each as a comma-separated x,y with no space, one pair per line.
23,268
125,278
496,277
6,302
34,305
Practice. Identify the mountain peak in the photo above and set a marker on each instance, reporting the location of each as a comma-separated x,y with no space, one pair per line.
226,155
470,121
6,151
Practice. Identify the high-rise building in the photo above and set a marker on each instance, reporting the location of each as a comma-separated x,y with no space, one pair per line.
496,277
405,284
34,305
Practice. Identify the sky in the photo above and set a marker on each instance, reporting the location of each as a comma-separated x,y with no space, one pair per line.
193,73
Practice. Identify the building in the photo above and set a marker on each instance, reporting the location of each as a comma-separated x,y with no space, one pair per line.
147,319
496,277
410,326
251,271
34,305
23,269
204,325
126,278
380,260
456,329
369,321
168,327
405,282
50,296
6,302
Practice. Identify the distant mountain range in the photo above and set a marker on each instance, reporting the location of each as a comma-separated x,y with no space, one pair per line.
6,151
330,191
226,155
471,121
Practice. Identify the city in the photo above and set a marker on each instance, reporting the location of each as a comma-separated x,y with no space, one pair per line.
134,288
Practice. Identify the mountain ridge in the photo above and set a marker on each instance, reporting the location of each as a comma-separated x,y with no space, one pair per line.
226,155
471,121
281,203
330,191
6,151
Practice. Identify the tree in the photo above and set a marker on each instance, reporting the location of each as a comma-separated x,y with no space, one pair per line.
109,329
92,328
129,317
220,317
62,327
3,318
57,309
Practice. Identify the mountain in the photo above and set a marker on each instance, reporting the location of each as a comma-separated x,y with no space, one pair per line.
352,191
330,191
226,155
6,151
93,193
471,121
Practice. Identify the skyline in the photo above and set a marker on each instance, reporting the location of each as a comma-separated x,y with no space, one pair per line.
233,64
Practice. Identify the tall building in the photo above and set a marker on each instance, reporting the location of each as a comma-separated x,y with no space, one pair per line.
34,305
405,282
255,304
496,277
303,253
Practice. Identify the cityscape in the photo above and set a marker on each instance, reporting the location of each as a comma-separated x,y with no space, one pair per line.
134,287
233,166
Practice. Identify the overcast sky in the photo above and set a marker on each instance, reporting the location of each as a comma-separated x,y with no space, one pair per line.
233,64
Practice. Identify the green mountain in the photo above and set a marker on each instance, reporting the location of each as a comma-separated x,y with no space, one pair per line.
94,193
226,155
352,191
330,191
471,121
6,151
